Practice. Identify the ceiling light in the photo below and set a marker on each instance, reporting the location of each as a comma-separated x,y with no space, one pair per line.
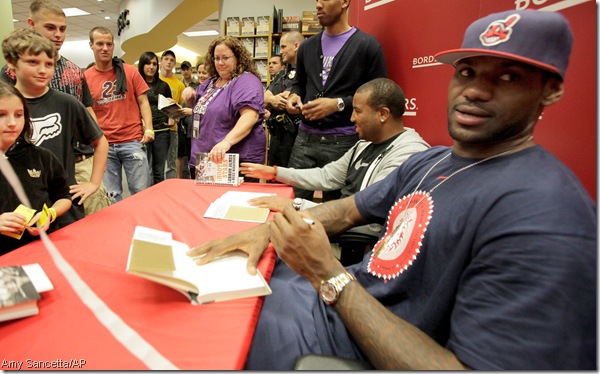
72,12
201,33
107,17
15,20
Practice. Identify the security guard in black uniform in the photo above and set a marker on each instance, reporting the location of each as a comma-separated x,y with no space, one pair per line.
282,126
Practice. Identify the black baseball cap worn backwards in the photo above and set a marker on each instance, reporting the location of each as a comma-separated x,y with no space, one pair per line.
538,38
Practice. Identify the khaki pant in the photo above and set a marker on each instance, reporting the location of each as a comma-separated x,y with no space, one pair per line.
99,199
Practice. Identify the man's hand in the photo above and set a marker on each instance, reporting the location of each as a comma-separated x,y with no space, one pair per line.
82,190
319,108
294,104
274,203
279,101
148,136
304,247
253,242
258,171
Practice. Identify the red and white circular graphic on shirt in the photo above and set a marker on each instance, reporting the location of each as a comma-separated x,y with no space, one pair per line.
399,247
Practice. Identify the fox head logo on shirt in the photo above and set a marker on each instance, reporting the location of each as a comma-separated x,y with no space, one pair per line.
45,128
499,31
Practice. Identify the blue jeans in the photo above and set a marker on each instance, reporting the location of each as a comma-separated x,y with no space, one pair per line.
316,151
132,158
157,155
172,155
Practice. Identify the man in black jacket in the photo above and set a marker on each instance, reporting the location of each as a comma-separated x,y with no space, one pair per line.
330,67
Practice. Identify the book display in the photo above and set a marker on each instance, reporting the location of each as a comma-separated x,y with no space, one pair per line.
260,35
155,256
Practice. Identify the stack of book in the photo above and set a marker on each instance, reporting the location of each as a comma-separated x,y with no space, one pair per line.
291,23
310,21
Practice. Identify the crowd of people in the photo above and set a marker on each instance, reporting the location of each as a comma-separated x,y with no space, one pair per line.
486,256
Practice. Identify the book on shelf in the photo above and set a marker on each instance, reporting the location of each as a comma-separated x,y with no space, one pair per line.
311,26
234,206
226,172
249,44
261,46
262,68
279,20
155,256
263,25
310,15
20,288
248,26
234,26
168,106
291,23
276,29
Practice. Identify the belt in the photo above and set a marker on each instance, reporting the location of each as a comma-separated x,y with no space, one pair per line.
80,157
324,138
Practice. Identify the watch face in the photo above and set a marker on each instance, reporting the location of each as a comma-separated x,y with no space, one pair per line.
328,293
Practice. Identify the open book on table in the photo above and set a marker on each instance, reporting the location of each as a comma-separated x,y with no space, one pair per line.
233,205
20,288
154,255
168,107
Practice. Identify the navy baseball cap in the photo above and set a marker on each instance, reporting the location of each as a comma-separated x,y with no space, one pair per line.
538,38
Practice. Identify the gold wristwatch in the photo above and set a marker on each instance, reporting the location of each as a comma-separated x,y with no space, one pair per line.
331,289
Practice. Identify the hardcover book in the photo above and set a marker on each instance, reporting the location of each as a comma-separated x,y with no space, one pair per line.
248,26
261,46
168,106
20,288
261,67
155,256
234,26
249,44
263,25
226,172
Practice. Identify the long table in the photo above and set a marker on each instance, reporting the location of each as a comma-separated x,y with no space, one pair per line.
213,336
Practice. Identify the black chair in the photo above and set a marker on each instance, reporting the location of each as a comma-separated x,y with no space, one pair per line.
322,362
355,242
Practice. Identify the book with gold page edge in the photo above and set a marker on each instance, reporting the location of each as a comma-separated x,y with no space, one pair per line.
155,256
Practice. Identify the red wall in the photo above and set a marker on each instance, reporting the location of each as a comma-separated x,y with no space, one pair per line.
412,31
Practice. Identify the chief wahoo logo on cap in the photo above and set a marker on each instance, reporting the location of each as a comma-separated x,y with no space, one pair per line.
499,31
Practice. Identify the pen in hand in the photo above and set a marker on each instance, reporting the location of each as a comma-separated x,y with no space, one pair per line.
309,221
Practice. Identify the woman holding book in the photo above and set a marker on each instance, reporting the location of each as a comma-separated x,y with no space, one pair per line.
158,149
39,171
229,106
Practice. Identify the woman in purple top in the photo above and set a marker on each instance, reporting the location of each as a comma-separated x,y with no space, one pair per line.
229,106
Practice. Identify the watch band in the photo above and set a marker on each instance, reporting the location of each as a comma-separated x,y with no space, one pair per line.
331,289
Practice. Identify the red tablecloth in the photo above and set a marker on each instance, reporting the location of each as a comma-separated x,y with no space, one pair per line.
212,336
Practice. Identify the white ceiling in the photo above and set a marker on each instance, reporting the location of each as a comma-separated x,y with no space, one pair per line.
79,27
